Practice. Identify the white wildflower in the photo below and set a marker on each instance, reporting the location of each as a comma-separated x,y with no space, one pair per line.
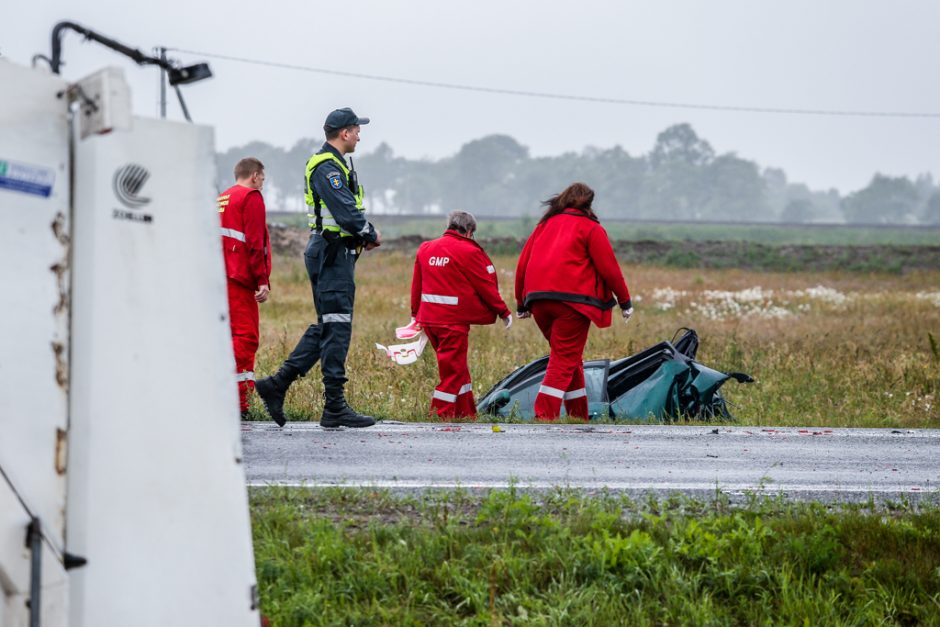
824,294
931,297
665,298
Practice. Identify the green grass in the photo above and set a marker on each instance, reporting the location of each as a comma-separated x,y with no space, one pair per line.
808,234
365,557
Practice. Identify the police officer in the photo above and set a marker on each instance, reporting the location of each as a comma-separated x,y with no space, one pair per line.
340,232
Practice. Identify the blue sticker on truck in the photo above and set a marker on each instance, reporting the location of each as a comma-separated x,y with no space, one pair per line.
25,178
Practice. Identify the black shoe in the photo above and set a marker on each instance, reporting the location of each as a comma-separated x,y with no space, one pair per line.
272,391
344,416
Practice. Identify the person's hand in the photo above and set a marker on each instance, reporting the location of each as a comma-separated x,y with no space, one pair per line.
507,321
626,314
376,243
262,294
523,314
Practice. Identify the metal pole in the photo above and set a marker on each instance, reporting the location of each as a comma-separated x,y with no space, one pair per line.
179,95
163,84
34,541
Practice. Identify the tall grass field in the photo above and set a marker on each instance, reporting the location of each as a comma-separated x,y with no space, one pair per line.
845,349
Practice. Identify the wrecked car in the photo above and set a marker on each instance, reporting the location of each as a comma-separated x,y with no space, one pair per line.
661,383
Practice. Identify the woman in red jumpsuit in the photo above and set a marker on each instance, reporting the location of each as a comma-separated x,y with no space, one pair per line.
567,277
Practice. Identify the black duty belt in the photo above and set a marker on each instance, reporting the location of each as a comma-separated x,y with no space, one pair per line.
335,242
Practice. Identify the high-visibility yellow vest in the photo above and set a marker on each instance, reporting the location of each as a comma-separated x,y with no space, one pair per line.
313,207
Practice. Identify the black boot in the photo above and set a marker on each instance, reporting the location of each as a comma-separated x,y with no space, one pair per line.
336,413
272,391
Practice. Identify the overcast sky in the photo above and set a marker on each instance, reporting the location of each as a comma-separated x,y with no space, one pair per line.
853,55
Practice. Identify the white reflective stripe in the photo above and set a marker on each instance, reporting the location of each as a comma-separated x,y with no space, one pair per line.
245,376
544,389
444,396
575,394
327,221
233,234
323,216
490,269
467,387
440,300
337,318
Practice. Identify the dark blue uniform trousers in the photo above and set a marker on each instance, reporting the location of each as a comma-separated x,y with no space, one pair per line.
334,292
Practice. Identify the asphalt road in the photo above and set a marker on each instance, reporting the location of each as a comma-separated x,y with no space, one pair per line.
844,465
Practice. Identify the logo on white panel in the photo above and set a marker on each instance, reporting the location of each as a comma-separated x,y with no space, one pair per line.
129,180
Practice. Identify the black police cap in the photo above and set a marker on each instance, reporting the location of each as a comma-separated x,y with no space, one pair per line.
341,118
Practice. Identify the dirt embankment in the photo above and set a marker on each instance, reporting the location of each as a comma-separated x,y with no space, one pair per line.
699,254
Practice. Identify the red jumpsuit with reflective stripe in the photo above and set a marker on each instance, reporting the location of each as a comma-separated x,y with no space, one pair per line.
568,276
247,249
566,331
454,285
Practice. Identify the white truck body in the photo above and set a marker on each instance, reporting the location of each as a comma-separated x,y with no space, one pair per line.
119,424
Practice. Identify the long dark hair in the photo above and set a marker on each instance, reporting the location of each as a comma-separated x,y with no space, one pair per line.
576,196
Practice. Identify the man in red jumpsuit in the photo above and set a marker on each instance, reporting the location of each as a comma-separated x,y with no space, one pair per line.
454,286
247,249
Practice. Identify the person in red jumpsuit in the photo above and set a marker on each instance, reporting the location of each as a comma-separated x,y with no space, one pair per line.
247,249
567,277
454,285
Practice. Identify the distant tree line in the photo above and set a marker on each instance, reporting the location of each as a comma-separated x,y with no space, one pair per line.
681,178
